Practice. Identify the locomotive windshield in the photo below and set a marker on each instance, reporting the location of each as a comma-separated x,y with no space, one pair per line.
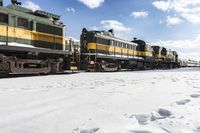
3,18
156,49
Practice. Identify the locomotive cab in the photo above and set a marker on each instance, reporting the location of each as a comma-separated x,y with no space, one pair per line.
144,49
159,53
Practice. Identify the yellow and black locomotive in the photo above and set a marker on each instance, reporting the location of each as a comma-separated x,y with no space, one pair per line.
102,51
30,42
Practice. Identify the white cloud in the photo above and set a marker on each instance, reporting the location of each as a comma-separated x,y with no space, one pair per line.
186,48
92,3
162,5
31,5
70,9
173,20
120,30
116,25
187,9
142,14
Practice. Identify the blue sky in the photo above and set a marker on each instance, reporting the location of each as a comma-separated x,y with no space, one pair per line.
171,23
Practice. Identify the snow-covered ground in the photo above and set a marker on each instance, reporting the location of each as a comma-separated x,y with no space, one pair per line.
162,101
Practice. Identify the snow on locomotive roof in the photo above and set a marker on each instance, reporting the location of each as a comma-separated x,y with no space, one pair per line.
116,39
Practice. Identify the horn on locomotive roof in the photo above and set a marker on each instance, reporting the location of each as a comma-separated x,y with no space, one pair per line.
111,31
15,2
1,2
134,39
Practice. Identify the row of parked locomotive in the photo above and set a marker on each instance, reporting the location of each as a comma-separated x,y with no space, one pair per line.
34,42
102,51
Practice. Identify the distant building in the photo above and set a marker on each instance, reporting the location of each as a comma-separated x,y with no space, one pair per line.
72,44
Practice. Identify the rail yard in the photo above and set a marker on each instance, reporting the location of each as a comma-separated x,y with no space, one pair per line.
99,83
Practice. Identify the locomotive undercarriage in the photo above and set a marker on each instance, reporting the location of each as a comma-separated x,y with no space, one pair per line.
103,66
97,64
15,60
13,65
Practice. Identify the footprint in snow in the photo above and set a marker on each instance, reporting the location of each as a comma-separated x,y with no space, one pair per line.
92,130
195,95
183,102
164,112
140,131
174,80
142,119
196,87
160,114
198,129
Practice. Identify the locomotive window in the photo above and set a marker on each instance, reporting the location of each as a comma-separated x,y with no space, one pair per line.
112,42
156,49
134,47
91,37
123,45
117,43
49,29
3,18
21,22
140,47
120,44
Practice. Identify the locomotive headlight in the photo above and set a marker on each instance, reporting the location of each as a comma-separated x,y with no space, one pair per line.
92,62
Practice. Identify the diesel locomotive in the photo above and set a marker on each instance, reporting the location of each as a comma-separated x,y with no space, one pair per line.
102,51
31,41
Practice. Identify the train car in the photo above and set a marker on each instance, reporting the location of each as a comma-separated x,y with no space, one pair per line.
31,42
102,51
189,63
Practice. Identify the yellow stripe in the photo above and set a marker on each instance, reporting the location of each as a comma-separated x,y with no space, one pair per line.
144,54
94,46
30,35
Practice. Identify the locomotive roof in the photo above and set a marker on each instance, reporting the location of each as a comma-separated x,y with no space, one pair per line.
99,34
29,14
